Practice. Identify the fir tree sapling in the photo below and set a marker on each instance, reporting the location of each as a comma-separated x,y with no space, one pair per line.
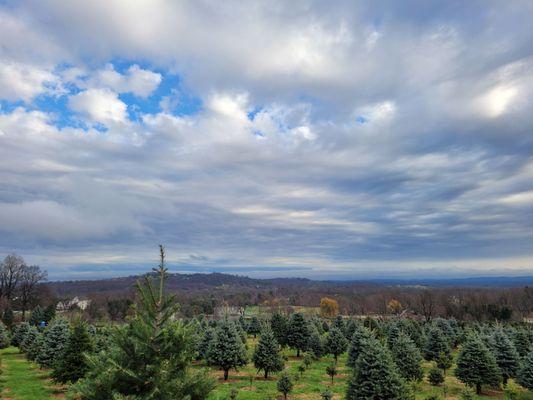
266,356
476,366
525,373
360,335
227,350
506,355
55,338
279,325
284,385
408,358
298,333
4,336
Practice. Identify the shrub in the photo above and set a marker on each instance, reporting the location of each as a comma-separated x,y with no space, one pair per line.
435,376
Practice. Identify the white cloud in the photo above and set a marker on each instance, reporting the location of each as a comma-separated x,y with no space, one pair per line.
140,82
24,82
99,106
498,100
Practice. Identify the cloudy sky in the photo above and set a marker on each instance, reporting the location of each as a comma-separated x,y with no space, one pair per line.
333,139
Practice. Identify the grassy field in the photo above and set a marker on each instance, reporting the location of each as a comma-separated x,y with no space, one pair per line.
252,386
22,380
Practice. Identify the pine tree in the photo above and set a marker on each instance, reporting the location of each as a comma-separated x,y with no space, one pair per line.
476,365
4,336
315,345
55,338
361,334
375,375
243,323
408,358
444,362
521,342
437,343
8,318
506,355
29,337
266,356
336,343
298,333
37,316
150,356
19,332
227,350
204,343
49,313
279,324
35,347
284,385
392,334
254,328
351,326
338,323
525,374
435,376
72,365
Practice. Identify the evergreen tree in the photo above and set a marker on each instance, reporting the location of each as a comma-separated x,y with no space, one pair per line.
227,350
521,342
205,342
266,356
298,333
243,324
437,343
525,373
19,332
444,362
351,326
392,334
375,375
336,343
338,323
408,358
315,345
254,328
242,334
37,316
284,385
435,376
8,318
476,365
360,335
331,370
506,355
72,365
150,356
55,338
29,337
35,347
49,313
279,324
4,336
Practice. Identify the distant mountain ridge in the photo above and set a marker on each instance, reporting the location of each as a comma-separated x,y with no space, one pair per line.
201,281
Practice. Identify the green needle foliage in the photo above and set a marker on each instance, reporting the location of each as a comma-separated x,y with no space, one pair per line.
4,336
408,358
55,338
336,343
298,333
525,374
227,350
284,385
476,366
437,343
435,376
359,336
315,344
28,339
266,356
148,358
279,324
375,375
19,333
254,328
72,363
506,355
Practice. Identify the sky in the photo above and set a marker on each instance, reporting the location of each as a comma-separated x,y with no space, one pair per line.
330,140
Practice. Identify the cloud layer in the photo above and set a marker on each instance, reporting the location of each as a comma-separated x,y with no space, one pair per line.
271,138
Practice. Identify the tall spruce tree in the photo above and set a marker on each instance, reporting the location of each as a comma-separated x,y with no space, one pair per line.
279,325
375,375
254,327
336,343
4,336
19,332
521,342
149,357
506,355
315,344
437,343
29,337
407,357
72,364
525,373
55,338
37,316
298,333
35,348
227,350
204,343
267,356
360,334
476,366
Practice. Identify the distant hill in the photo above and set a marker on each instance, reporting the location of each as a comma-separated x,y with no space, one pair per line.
220,281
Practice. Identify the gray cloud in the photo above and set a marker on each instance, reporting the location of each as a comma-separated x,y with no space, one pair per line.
353,138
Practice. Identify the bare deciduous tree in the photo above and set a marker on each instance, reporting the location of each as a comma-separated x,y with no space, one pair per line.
31,275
